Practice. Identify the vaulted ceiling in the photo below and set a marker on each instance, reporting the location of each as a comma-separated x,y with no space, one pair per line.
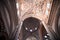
34,8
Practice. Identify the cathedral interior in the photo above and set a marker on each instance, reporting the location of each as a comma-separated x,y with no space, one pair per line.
29,19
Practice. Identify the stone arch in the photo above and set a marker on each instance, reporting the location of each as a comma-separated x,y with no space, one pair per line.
36,23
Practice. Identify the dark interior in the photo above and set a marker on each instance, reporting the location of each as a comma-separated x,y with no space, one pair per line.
31,27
